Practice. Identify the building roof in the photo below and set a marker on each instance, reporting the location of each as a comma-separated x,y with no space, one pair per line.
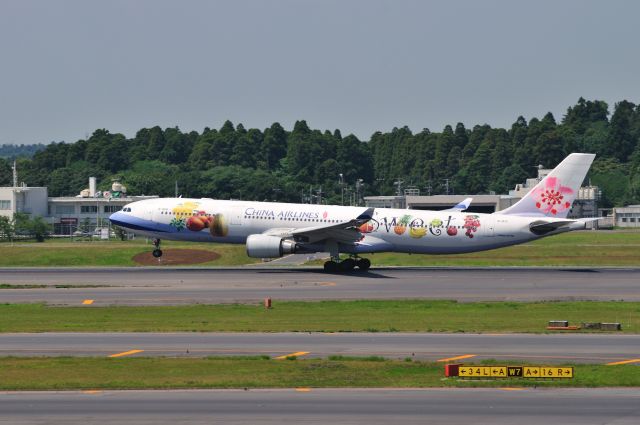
77,199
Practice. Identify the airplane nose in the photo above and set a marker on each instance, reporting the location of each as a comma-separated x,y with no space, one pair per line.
118,218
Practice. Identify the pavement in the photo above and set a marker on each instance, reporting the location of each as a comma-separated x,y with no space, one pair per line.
556,348
173,286
325,406
295,259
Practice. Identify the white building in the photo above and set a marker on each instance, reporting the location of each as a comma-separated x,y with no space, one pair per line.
628,216
23,199
87,211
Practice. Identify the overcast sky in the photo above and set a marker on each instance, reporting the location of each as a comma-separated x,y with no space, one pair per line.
70,67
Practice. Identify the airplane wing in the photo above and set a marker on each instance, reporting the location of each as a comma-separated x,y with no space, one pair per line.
345,232
460,206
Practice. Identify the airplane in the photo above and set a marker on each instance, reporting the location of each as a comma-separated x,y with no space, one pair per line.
272,230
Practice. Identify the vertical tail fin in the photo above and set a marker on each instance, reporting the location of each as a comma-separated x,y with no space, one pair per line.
553,196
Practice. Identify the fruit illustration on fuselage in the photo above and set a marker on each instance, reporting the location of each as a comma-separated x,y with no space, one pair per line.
401,226
366,227
199,221
436,222
195,224
417,232
471,223
184,208
218,226
452,231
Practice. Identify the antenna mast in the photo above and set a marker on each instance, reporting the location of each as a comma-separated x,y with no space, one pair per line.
15,174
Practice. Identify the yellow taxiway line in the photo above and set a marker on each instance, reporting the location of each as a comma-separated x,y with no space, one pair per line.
450,359
296,354
126,353
624,362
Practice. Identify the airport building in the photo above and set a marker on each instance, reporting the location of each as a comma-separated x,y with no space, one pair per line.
628,216
87,211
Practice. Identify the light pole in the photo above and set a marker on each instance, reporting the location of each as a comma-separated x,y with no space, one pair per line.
341,189
358,186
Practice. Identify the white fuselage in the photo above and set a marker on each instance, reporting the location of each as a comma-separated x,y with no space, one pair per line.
398,230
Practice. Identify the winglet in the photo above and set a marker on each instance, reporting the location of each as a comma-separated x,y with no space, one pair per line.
461,206
366,215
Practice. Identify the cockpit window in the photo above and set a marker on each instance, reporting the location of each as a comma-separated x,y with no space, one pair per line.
128,209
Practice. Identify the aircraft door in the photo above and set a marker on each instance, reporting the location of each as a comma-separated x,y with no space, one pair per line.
148,213
488,223
237,214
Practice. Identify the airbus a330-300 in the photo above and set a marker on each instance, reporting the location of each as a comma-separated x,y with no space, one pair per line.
272,230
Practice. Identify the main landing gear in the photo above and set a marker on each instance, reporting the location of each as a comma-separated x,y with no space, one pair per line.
335,265
157,252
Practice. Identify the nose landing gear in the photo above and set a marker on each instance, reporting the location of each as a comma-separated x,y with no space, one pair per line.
157,252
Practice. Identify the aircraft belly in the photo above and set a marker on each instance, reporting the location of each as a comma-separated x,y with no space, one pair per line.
441,242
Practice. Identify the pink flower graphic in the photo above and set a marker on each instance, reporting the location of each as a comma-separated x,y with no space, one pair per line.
551,197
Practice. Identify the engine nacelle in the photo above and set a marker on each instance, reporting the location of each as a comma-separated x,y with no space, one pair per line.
267,246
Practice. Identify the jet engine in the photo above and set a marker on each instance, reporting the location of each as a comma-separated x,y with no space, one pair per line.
267,246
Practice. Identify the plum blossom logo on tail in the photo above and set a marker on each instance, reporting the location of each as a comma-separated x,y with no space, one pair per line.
551,197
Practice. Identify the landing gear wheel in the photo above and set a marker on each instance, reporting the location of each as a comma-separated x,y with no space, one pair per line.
330,267
157,252
363,264
347,265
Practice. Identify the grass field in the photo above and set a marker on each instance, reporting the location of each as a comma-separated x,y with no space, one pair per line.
587,248
323,316
68,373
63,252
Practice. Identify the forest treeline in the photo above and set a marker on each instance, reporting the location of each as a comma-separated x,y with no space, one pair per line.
11,151
277,164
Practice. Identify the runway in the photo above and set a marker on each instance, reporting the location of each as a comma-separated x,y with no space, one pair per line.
557,348
171,286
315,406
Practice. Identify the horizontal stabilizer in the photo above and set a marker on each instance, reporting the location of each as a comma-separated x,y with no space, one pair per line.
542,227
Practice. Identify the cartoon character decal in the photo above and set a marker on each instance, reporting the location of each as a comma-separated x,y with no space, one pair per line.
471,223
551,197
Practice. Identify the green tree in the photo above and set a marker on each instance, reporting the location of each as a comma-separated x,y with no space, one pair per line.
621,142
549,149
6,228
6,173
35,227
274,147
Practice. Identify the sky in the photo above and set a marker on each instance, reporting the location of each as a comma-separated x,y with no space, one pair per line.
69,67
